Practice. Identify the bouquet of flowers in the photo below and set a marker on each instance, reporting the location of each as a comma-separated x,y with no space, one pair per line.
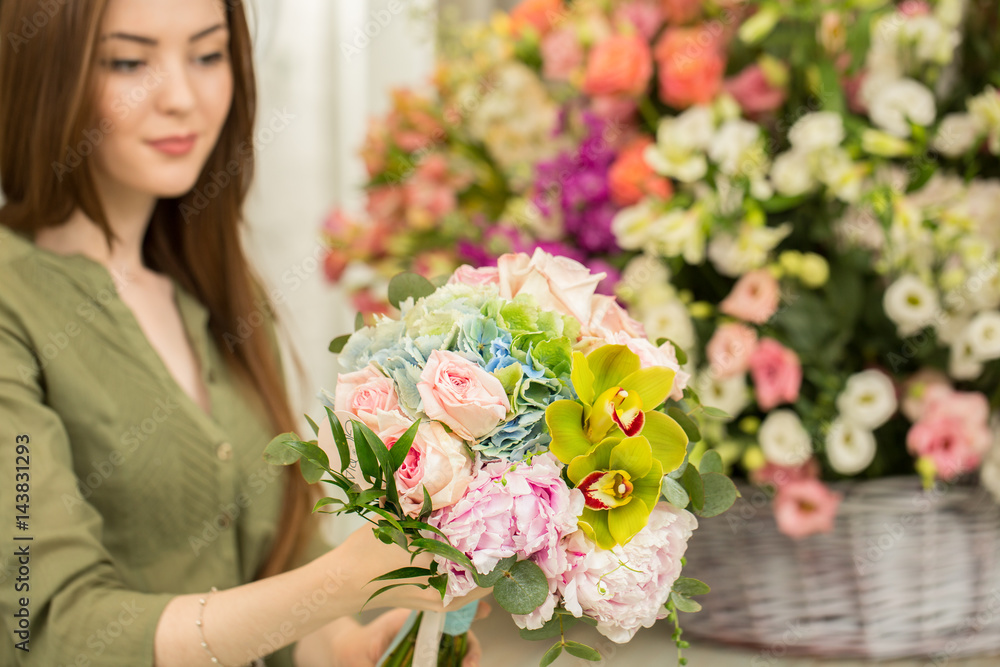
802,196
522,429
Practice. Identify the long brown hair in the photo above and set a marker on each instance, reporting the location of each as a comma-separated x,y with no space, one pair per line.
47,127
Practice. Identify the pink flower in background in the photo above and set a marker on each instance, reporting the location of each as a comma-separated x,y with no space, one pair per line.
953,432
364,394
365,301
387,205
644,15
557,283
630,178
620,65
434,263
776,373
462,395
542,15
411,124
913,8
624,599
431,193
805,507
730,349
467,275
436,460
527,514
681,11
778,476
754,93
335,261
691,64
923,388
754,297
376,146
614,108
561,54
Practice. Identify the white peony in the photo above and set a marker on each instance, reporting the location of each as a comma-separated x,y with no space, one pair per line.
791,173
957,134
868,400
983,336
901,102
849,448
783,439
910,304
729,394
816,131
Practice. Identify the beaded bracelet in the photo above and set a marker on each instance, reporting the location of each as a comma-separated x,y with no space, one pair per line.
201,630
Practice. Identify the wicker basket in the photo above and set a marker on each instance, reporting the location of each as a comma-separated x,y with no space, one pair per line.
904,573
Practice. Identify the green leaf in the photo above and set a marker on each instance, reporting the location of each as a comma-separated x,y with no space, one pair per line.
439,548
715,413
311,472
339,438
279,453
682,357
384,460
402,447
338,343
389,588
684,604
582,651
675,493
312,425
720,494
686,423
323,502
428,506
688,587
439,582
389,535
551,655
711,461
522,589
694,487
549,630
405,573
490,580
359,321
407,285
366,457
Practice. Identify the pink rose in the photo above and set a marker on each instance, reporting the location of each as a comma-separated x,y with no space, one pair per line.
691,65
620,65
776,373
364,394
681,11
730,349
436,460
462,395
923,388
631,178
646,17
754,297
561,54
754,93
953,432
607,319
467,275
557,283
805,507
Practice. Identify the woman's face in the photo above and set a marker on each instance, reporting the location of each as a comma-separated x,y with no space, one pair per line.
165,85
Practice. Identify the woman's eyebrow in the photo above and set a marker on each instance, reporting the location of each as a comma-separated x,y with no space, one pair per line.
152,42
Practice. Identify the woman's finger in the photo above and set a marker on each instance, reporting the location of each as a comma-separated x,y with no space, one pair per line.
484,610
474,653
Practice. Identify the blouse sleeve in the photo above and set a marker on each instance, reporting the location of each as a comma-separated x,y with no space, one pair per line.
62,596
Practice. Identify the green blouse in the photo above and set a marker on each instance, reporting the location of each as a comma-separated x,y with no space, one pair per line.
125,492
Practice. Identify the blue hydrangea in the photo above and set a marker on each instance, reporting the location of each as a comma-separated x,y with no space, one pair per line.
524,434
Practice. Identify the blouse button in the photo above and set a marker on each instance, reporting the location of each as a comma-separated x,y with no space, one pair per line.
225,451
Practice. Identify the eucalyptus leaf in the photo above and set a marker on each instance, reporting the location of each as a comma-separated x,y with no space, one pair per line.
715,413
359,321
686,423
551,655
711,461
337,344
695,488
522,589
406,285
278,452
688,587
489,580
675,493
311,472
684,604
720,494
583,651
548,631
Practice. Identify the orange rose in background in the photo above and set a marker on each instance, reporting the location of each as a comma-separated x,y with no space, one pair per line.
542,15
630,178
691,65
619,65
681,11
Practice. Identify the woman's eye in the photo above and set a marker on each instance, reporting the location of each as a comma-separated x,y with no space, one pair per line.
125,66
211,58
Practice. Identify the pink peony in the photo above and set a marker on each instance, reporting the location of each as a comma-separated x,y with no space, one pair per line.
776,373
437,460
691,64
624,599
923,388
630,178
557,283
363,394
953,432
754,297
561,54
508,510
460,394
620,65
805,507
467,275
730,349
753,92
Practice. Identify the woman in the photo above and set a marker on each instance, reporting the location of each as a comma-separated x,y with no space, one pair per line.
135,400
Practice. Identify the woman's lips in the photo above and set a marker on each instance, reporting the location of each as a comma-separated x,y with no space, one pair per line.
175,145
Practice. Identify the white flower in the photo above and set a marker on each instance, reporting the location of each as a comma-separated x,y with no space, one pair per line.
816,131
729,394
957,134
792,174
985,108
983,336
735,255
859,227
935,42
633,225
681,143
679,232
734,148
962,362
839,173
668,319
849,448
982,205
910,304
643,271
784,440
901,102
868,400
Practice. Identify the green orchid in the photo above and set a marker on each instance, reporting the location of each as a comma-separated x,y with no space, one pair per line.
620,481
617,399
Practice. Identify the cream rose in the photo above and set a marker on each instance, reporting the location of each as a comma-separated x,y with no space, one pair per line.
460,394
558,283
